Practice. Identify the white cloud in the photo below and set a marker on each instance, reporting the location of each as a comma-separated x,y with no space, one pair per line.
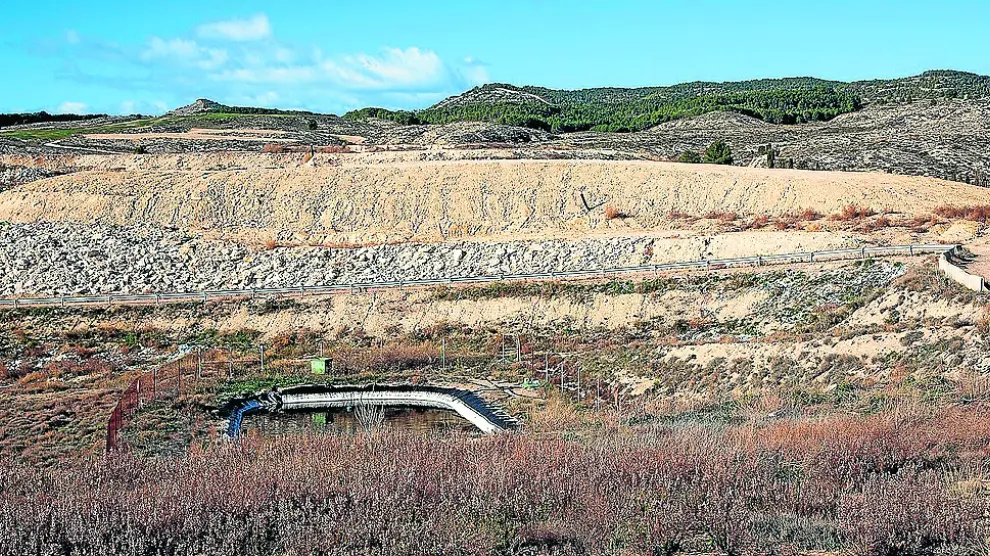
394,68
176,48
397,67
70,107
251,29
72,37
185,51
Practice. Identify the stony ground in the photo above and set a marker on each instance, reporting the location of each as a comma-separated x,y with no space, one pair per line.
63,259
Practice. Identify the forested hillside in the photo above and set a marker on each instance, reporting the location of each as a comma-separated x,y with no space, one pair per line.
782,101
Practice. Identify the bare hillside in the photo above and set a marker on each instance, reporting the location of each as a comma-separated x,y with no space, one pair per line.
374,198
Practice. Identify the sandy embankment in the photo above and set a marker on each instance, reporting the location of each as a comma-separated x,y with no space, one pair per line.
391,197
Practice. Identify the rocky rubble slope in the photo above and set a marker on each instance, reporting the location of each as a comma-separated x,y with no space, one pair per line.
948,139
63,259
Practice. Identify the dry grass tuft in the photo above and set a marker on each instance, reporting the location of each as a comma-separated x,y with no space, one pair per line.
976,213
853,212
612,213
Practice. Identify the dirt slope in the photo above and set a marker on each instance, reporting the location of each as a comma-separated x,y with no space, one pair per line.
372,197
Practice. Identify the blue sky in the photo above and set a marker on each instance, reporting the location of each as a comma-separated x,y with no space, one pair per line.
332,56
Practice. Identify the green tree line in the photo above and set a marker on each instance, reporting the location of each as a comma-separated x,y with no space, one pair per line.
786,106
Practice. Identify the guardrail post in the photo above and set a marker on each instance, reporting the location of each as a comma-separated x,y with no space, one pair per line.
62,299
204,298
109,301
158,300
911,249
862,253
811,257
708,266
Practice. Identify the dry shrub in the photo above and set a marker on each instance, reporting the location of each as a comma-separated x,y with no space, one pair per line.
976,213
722,216
4,373
809,213
333,149
273,148
760,222
876,224
396,355
870,485
270,244
907,515
612,212
853,212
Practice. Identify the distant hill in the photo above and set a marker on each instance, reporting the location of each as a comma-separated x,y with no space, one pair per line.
44,117
207,106
784,101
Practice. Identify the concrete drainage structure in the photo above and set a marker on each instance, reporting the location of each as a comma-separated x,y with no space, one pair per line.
947,264
464,403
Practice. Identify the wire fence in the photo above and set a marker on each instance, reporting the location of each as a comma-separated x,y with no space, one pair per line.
707,264
170,381
545,364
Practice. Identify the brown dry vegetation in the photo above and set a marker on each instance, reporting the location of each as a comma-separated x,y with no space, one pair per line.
879,485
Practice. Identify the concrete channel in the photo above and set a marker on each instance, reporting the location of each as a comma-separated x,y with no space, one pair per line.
464,403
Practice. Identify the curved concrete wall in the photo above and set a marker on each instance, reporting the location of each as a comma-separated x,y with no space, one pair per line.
969,281
468,406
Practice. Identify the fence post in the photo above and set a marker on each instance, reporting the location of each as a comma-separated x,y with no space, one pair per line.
443,353
261,352
138,384
199,363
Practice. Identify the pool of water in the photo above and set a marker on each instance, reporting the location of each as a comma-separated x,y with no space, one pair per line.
349,421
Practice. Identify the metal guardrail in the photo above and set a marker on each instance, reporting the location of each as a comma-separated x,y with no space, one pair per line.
708,264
